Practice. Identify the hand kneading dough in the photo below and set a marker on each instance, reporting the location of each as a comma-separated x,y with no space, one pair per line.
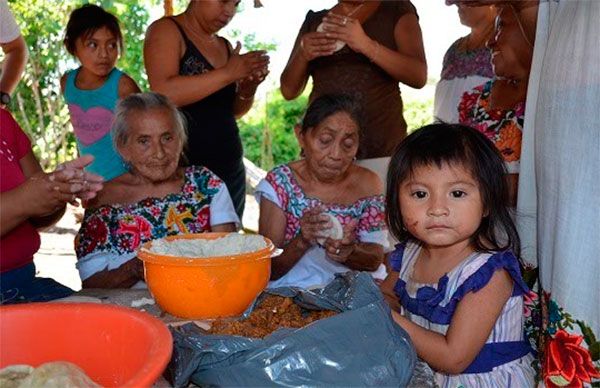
338,43
336,232
59,374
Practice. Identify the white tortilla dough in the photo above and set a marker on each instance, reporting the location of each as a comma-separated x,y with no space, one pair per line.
13,375
336,232
58,374
338,43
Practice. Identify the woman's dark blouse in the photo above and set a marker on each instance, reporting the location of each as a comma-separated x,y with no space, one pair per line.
347,71
213,135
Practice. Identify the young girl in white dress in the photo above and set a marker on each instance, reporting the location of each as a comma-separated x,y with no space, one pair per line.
457,270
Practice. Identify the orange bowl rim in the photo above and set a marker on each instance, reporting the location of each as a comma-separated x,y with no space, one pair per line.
161,338
145,255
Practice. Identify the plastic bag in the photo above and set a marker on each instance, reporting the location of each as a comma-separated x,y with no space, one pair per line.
360,346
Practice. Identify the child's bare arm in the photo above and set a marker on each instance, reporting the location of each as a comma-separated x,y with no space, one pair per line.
387,289
471,325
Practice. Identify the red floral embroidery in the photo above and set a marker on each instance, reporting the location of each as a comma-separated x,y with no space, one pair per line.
214,182
119,230
502,127
567,363
203,219
97,233
140,228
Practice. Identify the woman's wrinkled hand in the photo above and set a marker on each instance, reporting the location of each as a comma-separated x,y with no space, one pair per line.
313,224
248,65
348,30
316,44
69,181
341,250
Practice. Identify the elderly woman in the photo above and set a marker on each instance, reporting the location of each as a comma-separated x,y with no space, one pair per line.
155,198
296,200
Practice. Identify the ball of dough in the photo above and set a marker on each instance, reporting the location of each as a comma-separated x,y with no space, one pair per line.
338,43
58,374
12,375
336,232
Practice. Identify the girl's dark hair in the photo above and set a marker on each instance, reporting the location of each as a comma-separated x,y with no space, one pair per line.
86,20
454,144
328,104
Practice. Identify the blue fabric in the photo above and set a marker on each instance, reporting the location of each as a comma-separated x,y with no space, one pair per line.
108,165
105,96
396,257
427,300
495,354
21,286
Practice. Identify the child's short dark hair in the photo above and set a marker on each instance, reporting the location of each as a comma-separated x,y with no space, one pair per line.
441,143
86,20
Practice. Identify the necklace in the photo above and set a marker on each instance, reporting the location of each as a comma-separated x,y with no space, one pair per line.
470,45
211,38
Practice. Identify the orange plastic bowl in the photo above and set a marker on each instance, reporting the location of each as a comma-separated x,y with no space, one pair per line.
208,287
115,346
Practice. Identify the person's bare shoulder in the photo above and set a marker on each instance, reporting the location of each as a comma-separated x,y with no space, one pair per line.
163,28
368,183
63,83
127,86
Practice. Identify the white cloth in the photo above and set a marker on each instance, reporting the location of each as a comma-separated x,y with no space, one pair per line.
315,269
9,30
559,191
448,94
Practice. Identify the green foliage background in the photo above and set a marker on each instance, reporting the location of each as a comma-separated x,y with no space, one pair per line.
267,131
39,106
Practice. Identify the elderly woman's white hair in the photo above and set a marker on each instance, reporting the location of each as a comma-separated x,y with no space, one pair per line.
142,102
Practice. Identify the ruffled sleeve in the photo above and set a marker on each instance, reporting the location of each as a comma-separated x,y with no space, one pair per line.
433,304
475,281
222,210
396,257
276,187
266,191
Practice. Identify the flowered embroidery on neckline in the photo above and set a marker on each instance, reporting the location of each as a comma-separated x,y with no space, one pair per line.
370,210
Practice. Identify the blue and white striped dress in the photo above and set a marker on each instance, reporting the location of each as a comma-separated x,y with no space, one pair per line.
505,360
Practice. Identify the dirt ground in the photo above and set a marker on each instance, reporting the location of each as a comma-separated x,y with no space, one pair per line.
56,257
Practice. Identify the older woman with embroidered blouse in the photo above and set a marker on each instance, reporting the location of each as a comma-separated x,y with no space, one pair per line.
297,201
155,198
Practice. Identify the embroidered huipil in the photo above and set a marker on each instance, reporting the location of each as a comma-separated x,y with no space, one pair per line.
461,72
503,127
110,234
314,268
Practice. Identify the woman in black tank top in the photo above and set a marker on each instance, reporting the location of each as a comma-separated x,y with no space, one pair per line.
210,82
